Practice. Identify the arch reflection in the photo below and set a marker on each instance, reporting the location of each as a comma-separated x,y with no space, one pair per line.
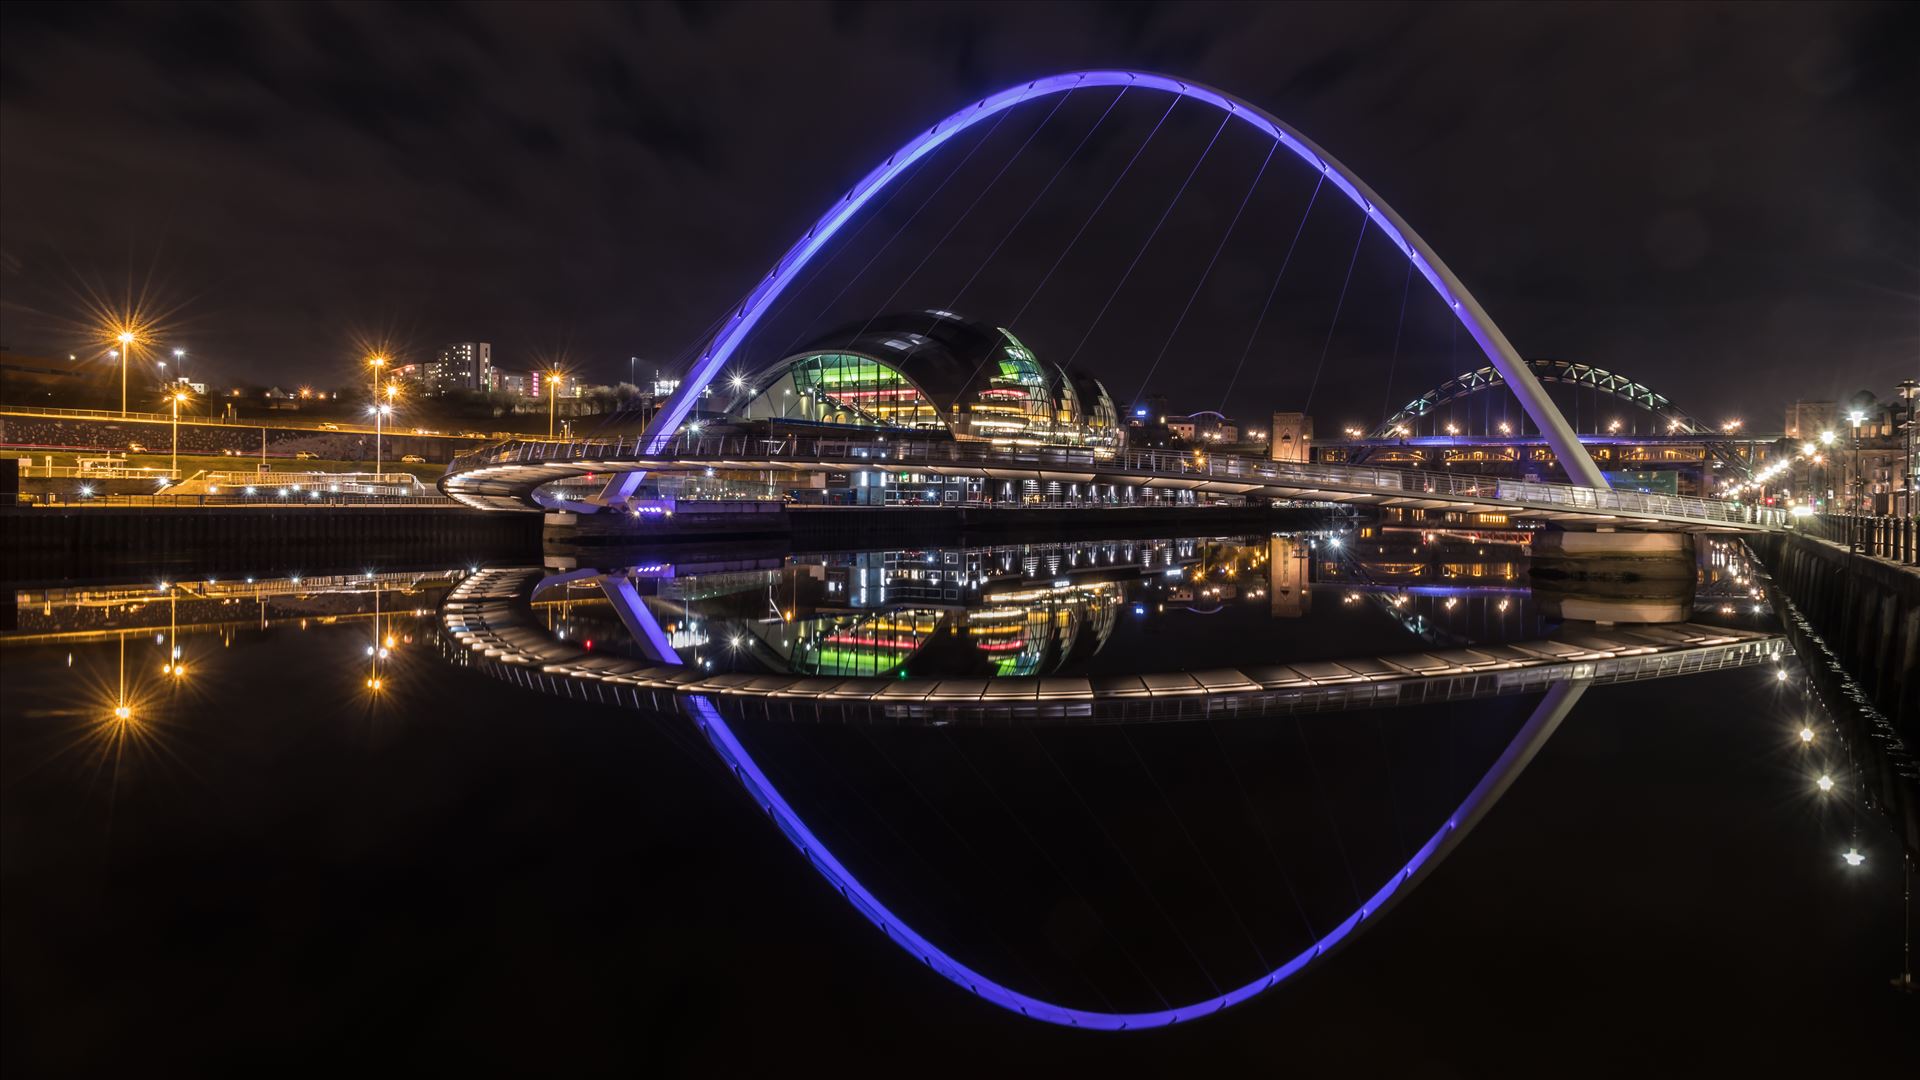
897,630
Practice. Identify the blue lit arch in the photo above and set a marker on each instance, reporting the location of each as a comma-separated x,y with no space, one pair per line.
1499,351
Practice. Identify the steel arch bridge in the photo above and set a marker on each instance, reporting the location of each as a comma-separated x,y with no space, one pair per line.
1546,371
740,323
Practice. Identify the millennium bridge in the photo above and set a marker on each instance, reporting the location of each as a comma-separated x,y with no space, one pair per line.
487,621
512,476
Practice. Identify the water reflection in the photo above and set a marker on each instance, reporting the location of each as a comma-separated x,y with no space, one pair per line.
1095,608
1109,877
144,657
1149,858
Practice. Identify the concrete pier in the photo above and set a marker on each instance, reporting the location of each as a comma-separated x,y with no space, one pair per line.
46,545
1613,577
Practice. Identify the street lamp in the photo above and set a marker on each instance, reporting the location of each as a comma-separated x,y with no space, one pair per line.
176,399
380,413
554,379
376,363
125,338
1854,420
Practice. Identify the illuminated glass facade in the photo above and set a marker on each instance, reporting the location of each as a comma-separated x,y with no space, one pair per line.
934,372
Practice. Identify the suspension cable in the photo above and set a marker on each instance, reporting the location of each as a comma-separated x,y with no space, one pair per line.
942,186
954,304
1151,234
1205,863
974,853
1138,881
1274,289
1208,272
1266,836
846,245
1059,872
935,246
1333,820
1337,306
1111,188
1386,401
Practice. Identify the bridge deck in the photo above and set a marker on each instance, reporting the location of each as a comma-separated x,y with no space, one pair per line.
505,477
487,615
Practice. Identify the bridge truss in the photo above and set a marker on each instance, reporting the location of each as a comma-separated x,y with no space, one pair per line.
1564,372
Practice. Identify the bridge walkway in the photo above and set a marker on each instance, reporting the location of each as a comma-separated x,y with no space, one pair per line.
505,477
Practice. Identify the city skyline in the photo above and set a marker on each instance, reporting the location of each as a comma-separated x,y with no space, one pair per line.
1576,275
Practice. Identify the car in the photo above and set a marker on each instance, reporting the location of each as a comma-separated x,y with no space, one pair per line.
135,448
305,455
413,459
329,426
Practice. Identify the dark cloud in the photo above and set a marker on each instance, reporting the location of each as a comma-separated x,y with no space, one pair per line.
1723,201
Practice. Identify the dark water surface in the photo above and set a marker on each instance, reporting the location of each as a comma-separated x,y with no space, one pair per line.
271,865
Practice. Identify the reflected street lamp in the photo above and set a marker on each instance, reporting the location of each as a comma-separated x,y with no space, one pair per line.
554,379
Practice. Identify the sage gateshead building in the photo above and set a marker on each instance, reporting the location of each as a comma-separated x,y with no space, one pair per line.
932,374
927,374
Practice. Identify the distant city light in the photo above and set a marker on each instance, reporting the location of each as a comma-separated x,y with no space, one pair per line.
1853,857
1806,735
1825,783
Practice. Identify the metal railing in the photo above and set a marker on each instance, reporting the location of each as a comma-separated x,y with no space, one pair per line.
325,427
1894,538
213,420
30,471
750,450
398,479
298,500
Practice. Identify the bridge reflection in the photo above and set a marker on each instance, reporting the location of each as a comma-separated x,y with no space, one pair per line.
925,635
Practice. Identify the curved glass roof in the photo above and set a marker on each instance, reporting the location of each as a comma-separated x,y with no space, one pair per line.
933,370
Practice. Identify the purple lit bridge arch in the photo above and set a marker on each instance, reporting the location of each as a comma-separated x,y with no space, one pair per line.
740,323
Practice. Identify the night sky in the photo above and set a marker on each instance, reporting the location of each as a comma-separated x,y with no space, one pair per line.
1723,202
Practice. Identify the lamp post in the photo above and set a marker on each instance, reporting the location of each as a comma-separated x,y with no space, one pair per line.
176,398
1826,471
386,407
380,412
554,378
1854,419
125,339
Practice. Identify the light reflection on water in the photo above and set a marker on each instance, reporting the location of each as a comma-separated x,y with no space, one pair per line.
1053,853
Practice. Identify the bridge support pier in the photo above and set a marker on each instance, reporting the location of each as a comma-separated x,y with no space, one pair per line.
1614,577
